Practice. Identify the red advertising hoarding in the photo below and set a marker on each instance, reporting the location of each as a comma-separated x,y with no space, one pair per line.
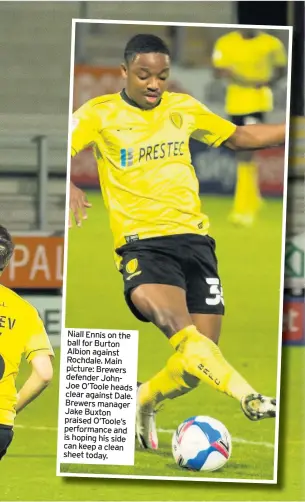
293,321
37,263
271,170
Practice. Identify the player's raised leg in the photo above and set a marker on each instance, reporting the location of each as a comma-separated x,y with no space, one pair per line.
196,358
205,302
255,406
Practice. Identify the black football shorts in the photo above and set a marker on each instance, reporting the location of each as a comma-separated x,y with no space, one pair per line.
251,118
187,261
6,437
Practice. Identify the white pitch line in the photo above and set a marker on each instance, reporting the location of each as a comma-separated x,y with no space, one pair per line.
234,439
161,431
35,428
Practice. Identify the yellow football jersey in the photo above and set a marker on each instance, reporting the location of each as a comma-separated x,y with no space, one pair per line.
148,183
21,332
252,59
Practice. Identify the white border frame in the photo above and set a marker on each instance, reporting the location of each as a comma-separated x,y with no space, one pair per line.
289,29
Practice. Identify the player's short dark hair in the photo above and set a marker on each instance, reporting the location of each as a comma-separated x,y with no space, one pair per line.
6,247
144,44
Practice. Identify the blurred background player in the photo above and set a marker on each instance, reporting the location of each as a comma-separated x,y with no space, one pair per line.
22,332
251,62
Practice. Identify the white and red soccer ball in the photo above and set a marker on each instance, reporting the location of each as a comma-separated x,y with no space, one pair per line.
201,444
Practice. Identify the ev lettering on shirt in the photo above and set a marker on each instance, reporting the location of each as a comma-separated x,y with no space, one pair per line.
7,322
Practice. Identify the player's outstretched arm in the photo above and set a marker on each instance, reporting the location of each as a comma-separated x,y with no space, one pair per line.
41,376
252,137
78,205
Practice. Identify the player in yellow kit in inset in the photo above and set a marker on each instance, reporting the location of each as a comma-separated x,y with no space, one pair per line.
141,143
21,332
252,62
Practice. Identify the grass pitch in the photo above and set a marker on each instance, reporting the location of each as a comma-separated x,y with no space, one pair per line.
249,261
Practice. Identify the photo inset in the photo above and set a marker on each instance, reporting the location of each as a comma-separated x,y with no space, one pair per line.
171,352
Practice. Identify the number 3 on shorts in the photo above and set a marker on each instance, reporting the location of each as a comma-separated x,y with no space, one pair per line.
216,292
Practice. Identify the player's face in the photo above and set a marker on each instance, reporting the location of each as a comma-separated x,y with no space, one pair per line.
147,77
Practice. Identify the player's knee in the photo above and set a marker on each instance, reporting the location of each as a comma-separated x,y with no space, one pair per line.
166,317
169,321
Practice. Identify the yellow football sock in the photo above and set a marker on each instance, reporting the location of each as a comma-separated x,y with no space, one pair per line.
247,198
172,381
196,359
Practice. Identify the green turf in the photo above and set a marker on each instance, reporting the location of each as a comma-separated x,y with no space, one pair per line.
249,265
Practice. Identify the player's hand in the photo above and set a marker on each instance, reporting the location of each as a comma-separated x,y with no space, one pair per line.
78,205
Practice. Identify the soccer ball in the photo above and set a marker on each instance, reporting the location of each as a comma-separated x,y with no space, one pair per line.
201,444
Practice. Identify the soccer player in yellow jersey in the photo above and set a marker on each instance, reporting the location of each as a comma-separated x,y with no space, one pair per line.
21,332
141,142
252,62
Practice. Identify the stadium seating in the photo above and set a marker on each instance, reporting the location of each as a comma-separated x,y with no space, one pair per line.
34,100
